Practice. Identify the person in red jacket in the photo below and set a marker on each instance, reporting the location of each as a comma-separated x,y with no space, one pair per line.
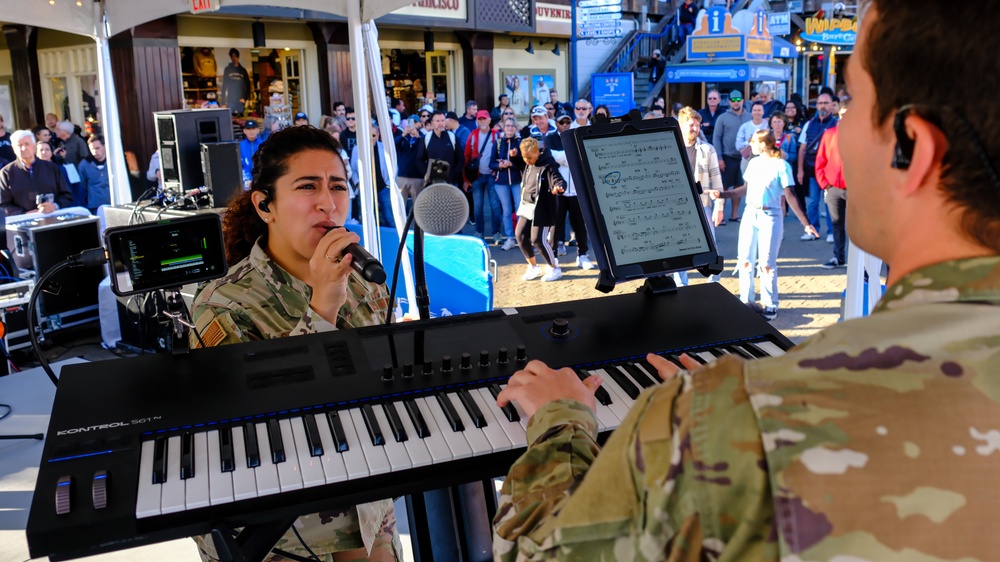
830,176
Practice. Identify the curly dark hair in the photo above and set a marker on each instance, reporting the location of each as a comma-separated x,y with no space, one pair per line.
241,225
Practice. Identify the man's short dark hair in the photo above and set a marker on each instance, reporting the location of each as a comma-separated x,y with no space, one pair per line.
755,104
337,104
826,90
835,99
96,138
436,113
395,102
348,110
471,103
936,35
233,51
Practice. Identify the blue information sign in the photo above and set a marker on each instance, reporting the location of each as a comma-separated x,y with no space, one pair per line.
613,89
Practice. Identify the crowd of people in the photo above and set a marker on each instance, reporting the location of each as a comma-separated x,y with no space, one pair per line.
51,166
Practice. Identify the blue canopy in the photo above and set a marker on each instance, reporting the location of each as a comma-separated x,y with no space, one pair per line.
783,49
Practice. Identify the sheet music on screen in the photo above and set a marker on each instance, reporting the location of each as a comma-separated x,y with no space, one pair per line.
645,197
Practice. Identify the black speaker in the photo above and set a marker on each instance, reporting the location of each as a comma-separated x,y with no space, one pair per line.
220,162
257,29
179,136
428,41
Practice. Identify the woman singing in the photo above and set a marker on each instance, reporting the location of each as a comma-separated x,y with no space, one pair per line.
288,276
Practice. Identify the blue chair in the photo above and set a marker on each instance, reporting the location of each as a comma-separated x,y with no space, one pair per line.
457,267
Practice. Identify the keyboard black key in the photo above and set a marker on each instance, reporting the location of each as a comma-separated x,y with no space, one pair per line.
339,438
277,444
417,418
755,351
312,436
449,412
187,456
226,459
696,357
623,382
717,352
509,410
651,369
737,350
374,429
637,374
160,460
395,424
601,395
250,444
478,419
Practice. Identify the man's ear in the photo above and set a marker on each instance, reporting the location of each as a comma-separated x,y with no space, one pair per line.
929,147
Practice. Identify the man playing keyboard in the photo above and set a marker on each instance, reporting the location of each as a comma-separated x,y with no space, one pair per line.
289,276
876,439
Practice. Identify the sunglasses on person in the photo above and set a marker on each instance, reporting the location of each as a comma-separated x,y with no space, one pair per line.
352,118
578,108
424,115
506,113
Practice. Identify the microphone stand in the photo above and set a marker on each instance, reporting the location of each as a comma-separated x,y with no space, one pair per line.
419,277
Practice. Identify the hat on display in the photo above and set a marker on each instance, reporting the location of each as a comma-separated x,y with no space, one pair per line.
563,114
250,124
451,115
735,95
539,111
301,115
482,114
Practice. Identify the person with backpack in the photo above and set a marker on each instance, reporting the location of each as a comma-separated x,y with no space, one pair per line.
443,145
479,177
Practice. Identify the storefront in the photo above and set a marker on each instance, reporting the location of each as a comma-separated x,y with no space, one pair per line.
420,77
825,45
220,66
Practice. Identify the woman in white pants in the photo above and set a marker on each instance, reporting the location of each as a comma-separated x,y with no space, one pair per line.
766,180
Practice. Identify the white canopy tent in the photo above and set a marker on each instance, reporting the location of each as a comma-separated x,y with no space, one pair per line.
101,19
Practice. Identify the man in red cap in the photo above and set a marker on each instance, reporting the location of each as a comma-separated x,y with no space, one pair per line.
479,177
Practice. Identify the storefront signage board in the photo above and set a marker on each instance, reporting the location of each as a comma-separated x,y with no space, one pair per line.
446,9
836,31
779,23
615,90
201,6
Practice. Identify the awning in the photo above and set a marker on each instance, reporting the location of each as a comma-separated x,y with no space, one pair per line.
784,49
728,71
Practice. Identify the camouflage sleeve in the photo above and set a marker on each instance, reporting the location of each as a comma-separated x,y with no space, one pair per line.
220,326
680,479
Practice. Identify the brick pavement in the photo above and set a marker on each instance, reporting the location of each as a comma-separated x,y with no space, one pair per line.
810,295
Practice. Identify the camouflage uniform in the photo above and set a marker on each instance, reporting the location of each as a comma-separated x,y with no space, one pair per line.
877,439
258,300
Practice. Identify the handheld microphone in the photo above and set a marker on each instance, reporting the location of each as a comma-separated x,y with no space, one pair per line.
363,262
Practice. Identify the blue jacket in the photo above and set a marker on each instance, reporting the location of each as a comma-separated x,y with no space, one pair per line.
94,179
512,174
247,150
411,157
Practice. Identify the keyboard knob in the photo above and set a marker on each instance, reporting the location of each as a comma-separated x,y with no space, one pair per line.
466,363
502,356
560,328
446,364
521,356
484,358
407,370
428,368
387,373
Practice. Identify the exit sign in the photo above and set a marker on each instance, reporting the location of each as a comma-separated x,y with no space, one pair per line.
198,6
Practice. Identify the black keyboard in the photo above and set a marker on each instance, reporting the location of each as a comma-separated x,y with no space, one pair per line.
158,447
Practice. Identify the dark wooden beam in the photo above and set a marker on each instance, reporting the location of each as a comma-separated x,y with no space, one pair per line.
477,60
333,60
22,41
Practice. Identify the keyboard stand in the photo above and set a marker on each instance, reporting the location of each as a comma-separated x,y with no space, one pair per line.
254,542
454,523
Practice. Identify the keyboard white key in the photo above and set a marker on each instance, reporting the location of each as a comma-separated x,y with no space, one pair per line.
493,430
705,356
333,461
244,482
196,487
620,402
654,376
769,348
395,451
457,443
267,473
436,443
475,436
375,457
513,430
220,484
416,447
147,498
172,493
289,476
354,457
310,467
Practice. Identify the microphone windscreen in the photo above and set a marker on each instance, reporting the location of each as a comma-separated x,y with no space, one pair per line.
441,209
